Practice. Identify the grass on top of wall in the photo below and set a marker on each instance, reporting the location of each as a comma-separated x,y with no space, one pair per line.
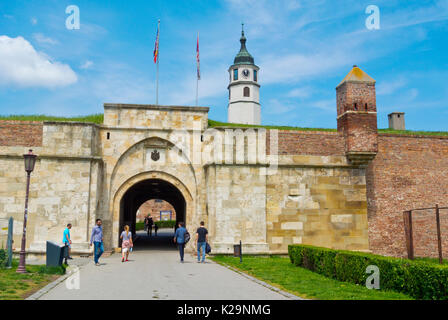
93,118
99,118
215,124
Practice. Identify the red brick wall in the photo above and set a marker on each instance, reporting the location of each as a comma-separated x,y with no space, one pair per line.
408,172
152,207
360,130
21,133
360,93
320,143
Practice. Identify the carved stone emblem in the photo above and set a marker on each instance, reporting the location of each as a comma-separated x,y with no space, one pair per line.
155,155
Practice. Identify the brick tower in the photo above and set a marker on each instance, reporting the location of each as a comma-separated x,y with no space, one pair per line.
356,115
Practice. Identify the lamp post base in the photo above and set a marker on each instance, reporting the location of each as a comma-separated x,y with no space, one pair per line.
21,268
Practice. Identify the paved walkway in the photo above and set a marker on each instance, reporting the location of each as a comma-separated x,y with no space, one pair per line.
154,272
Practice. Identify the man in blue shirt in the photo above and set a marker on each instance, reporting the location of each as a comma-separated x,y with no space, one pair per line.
179,238
66,240
97,240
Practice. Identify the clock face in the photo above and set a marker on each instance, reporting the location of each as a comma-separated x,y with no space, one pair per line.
246,73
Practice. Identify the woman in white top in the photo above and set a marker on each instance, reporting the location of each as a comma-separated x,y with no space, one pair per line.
126,245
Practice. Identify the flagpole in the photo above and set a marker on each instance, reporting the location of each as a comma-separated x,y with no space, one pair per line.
157,67
197,84
197,75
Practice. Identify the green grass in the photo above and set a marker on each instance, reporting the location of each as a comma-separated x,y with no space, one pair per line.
281,273
214,124
431,260
409,132
93,118
17,286
98,119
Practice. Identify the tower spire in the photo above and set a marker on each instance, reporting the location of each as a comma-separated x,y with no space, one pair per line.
243,57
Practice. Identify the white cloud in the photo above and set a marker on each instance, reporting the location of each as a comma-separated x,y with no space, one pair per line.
33,21
22,65
213,83
413,93
303,92
86,65
296,67
326,105
389,87
274,106
41,39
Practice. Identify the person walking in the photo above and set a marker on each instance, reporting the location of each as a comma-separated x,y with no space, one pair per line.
97,239
179,239
150,224
201,241
67,242
126,245
146,223
156,227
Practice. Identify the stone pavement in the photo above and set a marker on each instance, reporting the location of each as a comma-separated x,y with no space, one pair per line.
156,273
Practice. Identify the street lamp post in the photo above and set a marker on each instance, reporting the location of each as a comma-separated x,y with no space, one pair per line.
30,160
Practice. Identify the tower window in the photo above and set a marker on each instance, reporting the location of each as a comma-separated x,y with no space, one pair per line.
366,106
235,74
356,107
246,92
255,75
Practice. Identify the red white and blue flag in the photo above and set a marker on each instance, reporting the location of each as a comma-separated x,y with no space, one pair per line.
197,58
156,47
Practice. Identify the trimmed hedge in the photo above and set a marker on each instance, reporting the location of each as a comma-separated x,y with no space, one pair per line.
166,224
139,226
419,279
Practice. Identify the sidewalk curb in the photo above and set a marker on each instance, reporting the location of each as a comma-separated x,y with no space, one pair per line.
51,285
262,283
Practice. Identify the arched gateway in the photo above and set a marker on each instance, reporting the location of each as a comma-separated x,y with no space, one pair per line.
146,186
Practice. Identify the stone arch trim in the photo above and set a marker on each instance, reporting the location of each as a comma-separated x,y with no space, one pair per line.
126,152
125,186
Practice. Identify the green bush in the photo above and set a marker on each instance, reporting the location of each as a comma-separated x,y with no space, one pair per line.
139,226
52,270
420,279
166,224
3,258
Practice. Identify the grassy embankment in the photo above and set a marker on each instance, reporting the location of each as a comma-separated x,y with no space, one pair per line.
281,273
17,286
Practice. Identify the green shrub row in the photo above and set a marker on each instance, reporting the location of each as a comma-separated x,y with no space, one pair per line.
419,279
3,258
166,224
139,226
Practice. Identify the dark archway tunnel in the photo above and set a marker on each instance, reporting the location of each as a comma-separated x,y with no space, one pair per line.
139,194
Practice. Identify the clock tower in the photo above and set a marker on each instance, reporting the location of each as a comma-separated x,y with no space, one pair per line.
244,90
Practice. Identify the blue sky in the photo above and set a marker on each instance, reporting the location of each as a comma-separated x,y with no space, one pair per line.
304,49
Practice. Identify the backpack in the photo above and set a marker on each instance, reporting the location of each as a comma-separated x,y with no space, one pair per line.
187,236
208,249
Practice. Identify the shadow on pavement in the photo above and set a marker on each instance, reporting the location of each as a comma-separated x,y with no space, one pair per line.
163,240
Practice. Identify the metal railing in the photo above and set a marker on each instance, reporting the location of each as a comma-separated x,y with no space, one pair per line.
407,218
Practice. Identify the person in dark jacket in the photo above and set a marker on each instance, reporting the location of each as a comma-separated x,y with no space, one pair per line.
201,241
150,224
179,238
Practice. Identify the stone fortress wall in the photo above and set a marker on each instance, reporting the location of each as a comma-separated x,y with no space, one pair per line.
267,188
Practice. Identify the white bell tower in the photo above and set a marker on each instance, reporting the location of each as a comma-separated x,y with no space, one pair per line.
244,90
